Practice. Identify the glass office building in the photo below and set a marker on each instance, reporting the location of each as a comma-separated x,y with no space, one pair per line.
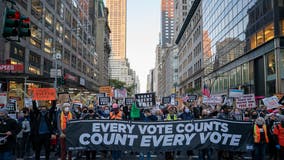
243,45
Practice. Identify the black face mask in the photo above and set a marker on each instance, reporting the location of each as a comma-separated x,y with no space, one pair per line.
254,116
260,126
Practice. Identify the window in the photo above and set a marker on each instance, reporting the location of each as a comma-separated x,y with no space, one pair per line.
269,32
17,52
34,70
66,58
67,37
37,9
48,44
245,73
270,64
59,29
48,20
60,9
259,38
34,59
47,65
35,39
282,28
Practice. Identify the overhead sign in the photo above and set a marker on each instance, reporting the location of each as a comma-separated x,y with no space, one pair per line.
53,73
246,101
12,67
44,94
144,100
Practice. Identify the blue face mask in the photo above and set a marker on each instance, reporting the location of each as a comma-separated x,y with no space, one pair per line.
43,112
106,112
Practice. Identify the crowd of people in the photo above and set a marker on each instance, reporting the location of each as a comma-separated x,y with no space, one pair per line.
43,129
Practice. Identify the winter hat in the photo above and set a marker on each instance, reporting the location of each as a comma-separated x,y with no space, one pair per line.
4,110
260,121
115,105
66,105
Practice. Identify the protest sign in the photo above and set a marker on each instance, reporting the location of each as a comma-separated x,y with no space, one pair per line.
28,102
271,102
145,100
128,101
103,101
166,100
12,106
191,98
235,93
44,94
159,136
3,99
63,98
246,101
212,100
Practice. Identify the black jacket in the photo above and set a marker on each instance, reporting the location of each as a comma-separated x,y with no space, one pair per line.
35,116
11,125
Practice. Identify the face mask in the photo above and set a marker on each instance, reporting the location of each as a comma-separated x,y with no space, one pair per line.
186,110
66,109
254,116
106,111
43,112
76,110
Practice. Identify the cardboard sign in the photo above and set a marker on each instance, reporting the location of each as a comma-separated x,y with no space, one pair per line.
103,101
246,101
128,101
44,94
166,100
271,102
3,99
63,98
145,100
213,100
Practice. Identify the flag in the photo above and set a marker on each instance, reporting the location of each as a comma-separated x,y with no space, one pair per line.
205,91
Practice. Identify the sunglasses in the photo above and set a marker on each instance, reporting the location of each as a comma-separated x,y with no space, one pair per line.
91,111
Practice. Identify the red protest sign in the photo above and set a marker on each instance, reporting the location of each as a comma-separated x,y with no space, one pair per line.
44,94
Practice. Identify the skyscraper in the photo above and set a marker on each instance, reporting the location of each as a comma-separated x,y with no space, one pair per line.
117,23
167,21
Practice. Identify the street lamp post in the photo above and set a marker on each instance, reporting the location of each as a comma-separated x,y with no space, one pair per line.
56,57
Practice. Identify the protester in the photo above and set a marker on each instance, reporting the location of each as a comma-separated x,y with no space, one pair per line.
171,116
9,128
63,118
105,113
148,117
116,114
260,138
279,136
24,121
271,121
42,128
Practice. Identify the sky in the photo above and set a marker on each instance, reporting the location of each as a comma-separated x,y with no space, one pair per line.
143,27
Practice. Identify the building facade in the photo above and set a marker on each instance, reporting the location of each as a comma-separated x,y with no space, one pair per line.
103,45
167,21
117,23
246,42
190,55
56,27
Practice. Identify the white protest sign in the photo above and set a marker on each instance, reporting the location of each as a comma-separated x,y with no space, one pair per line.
235,93
212,100
3,99
246,101
271,102
28,102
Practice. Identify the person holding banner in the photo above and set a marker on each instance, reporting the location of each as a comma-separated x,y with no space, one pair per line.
116,114
260,138
62,120
9,129
42,128
171,116
279,136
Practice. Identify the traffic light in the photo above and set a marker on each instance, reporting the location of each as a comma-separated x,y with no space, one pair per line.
61,81
11,22
24,27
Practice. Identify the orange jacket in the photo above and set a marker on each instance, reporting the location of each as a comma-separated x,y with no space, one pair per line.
279,132
117,116
256,133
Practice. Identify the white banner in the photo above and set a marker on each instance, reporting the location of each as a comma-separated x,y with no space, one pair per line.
246,101
28,102
271,102
212,100
236,93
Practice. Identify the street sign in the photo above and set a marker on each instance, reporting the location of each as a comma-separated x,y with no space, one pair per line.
53,73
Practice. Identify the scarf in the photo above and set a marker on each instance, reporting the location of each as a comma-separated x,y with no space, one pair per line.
64,119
